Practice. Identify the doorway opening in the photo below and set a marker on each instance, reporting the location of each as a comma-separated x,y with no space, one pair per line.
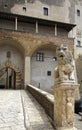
7,78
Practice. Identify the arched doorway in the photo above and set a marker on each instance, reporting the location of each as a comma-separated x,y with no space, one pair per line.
11,65
7,78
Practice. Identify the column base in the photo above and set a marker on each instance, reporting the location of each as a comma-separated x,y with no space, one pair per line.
63,128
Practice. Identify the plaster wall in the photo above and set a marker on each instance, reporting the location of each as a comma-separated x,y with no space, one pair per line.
16,57
34,8
39,70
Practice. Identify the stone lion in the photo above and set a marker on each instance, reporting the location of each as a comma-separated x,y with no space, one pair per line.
66,67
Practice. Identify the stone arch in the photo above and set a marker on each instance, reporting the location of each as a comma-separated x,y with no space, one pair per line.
50,45
10,65
14,43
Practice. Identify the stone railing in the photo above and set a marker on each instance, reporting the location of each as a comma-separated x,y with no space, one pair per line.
45,99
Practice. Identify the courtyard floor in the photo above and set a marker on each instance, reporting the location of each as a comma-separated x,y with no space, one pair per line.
20,111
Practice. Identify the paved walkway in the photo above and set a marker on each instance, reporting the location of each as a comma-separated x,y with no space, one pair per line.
11,112
78,122
20,111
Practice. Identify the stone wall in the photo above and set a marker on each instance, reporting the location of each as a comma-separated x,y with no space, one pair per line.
44,98
28,42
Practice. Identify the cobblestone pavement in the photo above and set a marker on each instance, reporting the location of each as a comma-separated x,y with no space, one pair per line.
11,112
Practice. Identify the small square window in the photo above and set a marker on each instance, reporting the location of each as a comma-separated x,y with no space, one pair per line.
5,6
49,73
45,11
78,43
8,54
39,56
24,9
78,12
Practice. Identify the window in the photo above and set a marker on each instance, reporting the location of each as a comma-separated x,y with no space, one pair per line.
8,54
49,73
39,56
45,11
24,9
78,12
78,43
5,6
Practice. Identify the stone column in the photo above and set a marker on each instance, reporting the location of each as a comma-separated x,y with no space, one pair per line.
36,26
27,70
55,29
16,23
64,94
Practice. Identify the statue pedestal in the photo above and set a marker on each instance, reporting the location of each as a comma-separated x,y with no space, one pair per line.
64,94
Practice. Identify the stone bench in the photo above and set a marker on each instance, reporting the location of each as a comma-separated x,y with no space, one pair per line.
80,113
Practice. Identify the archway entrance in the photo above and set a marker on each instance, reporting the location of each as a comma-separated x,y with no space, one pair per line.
11,65
7,78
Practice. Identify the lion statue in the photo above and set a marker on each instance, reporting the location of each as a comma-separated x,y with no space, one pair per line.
65,71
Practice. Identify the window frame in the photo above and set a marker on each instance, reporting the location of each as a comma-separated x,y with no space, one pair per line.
24,9
39,56
45,11
78,43
78,12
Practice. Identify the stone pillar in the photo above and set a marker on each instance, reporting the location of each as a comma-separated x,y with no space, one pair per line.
55,29
36,26
16,23
27,70
64,94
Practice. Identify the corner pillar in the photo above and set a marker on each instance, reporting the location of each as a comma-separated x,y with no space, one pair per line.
27,70
64,95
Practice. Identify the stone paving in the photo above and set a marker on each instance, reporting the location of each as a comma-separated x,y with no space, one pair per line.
20,111
11,112
78,122
35,116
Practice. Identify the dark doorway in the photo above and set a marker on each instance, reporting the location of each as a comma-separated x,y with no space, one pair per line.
7,78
